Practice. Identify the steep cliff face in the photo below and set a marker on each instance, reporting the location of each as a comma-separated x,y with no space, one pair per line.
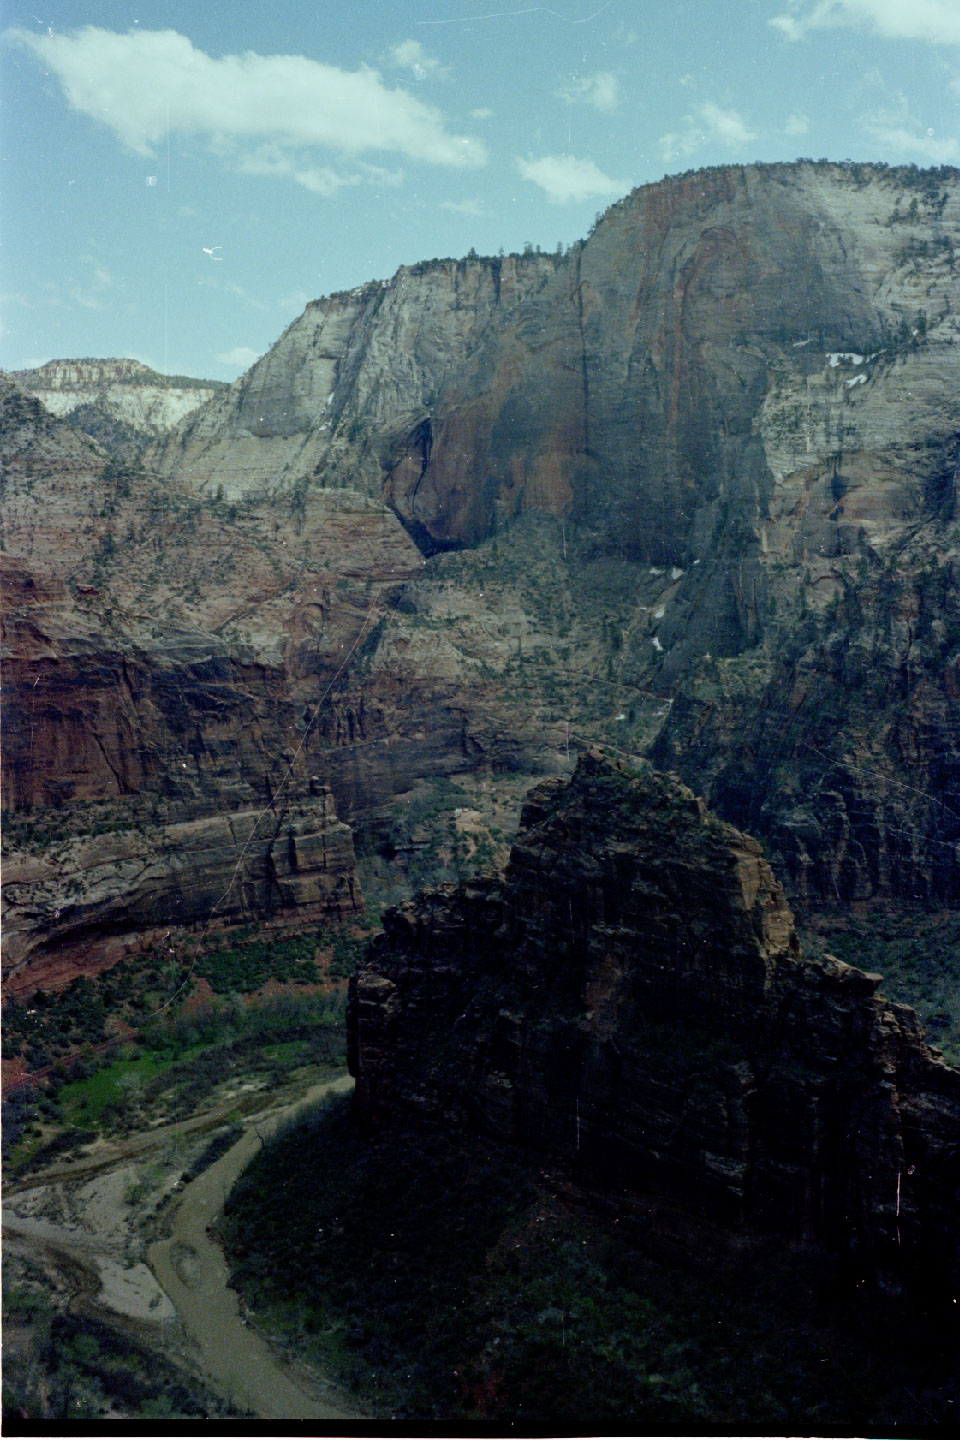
354,377
293,863
154,760
840,741
717,335
630,1000
121,403
690,489
743,382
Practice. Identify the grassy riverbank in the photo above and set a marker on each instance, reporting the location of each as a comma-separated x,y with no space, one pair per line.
169,1071
75,1367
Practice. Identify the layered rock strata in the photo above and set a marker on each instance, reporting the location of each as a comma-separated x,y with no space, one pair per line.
743,381
630,1001
292,863
707,463
121,403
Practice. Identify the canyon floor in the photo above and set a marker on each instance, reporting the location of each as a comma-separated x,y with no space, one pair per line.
114,1241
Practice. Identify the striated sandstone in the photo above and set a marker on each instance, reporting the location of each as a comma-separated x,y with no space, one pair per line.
716,336
630,1001
292,862
121,403
705,466
744,379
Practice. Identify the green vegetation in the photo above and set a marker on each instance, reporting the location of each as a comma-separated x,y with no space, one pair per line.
246,967
48,1029
173,1069
918,956
83,1102
63,1366
248,964
44,1026
454,1282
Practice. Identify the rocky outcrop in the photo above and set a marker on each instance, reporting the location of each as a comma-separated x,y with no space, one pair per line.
630,1001
123,404
841,743
291,862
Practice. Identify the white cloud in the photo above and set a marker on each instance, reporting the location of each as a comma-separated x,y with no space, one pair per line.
239,355
565,179
263,114
898,136
601,90
296,300
797,125
896,130
708,124
462,207
934,20
91,292
410,55
321,179
482,114
229,287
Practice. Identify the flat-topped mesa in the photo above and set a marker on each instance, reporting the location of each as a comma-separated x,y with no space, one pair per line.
630,1000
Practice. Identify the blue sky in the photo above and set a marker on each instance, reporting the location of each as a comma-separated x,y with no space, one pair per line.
181,176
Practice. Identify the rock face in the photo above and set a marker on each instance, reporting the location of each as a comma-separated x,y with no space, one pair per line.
292,862
338,398
121,403
744,381
154,773
690,489
718,338
630,1001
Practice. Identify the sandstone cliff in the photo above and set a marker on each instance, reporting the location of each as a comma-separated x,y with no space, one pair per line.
716,339
743,382
292,863
690,490
121,403
154,772
630,1001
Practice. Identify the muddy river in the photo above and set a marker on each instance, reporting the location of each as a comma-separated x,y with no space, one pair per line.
83,1217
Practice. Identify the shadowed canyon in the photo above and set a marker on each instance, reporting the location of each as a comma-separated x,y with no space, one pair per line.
566,648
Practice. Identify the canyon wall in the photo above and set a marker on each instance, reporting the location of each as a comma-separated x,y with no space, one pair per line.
745,380
291,863
689,488
121,403
630,1001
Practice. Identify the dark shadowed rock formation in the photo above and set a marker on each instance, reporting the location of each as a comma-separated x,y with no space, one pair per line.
630,1000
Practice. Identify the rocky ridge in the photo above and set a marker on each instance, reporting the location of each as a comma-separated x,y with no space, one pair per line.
740,389
629,1000
123,404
